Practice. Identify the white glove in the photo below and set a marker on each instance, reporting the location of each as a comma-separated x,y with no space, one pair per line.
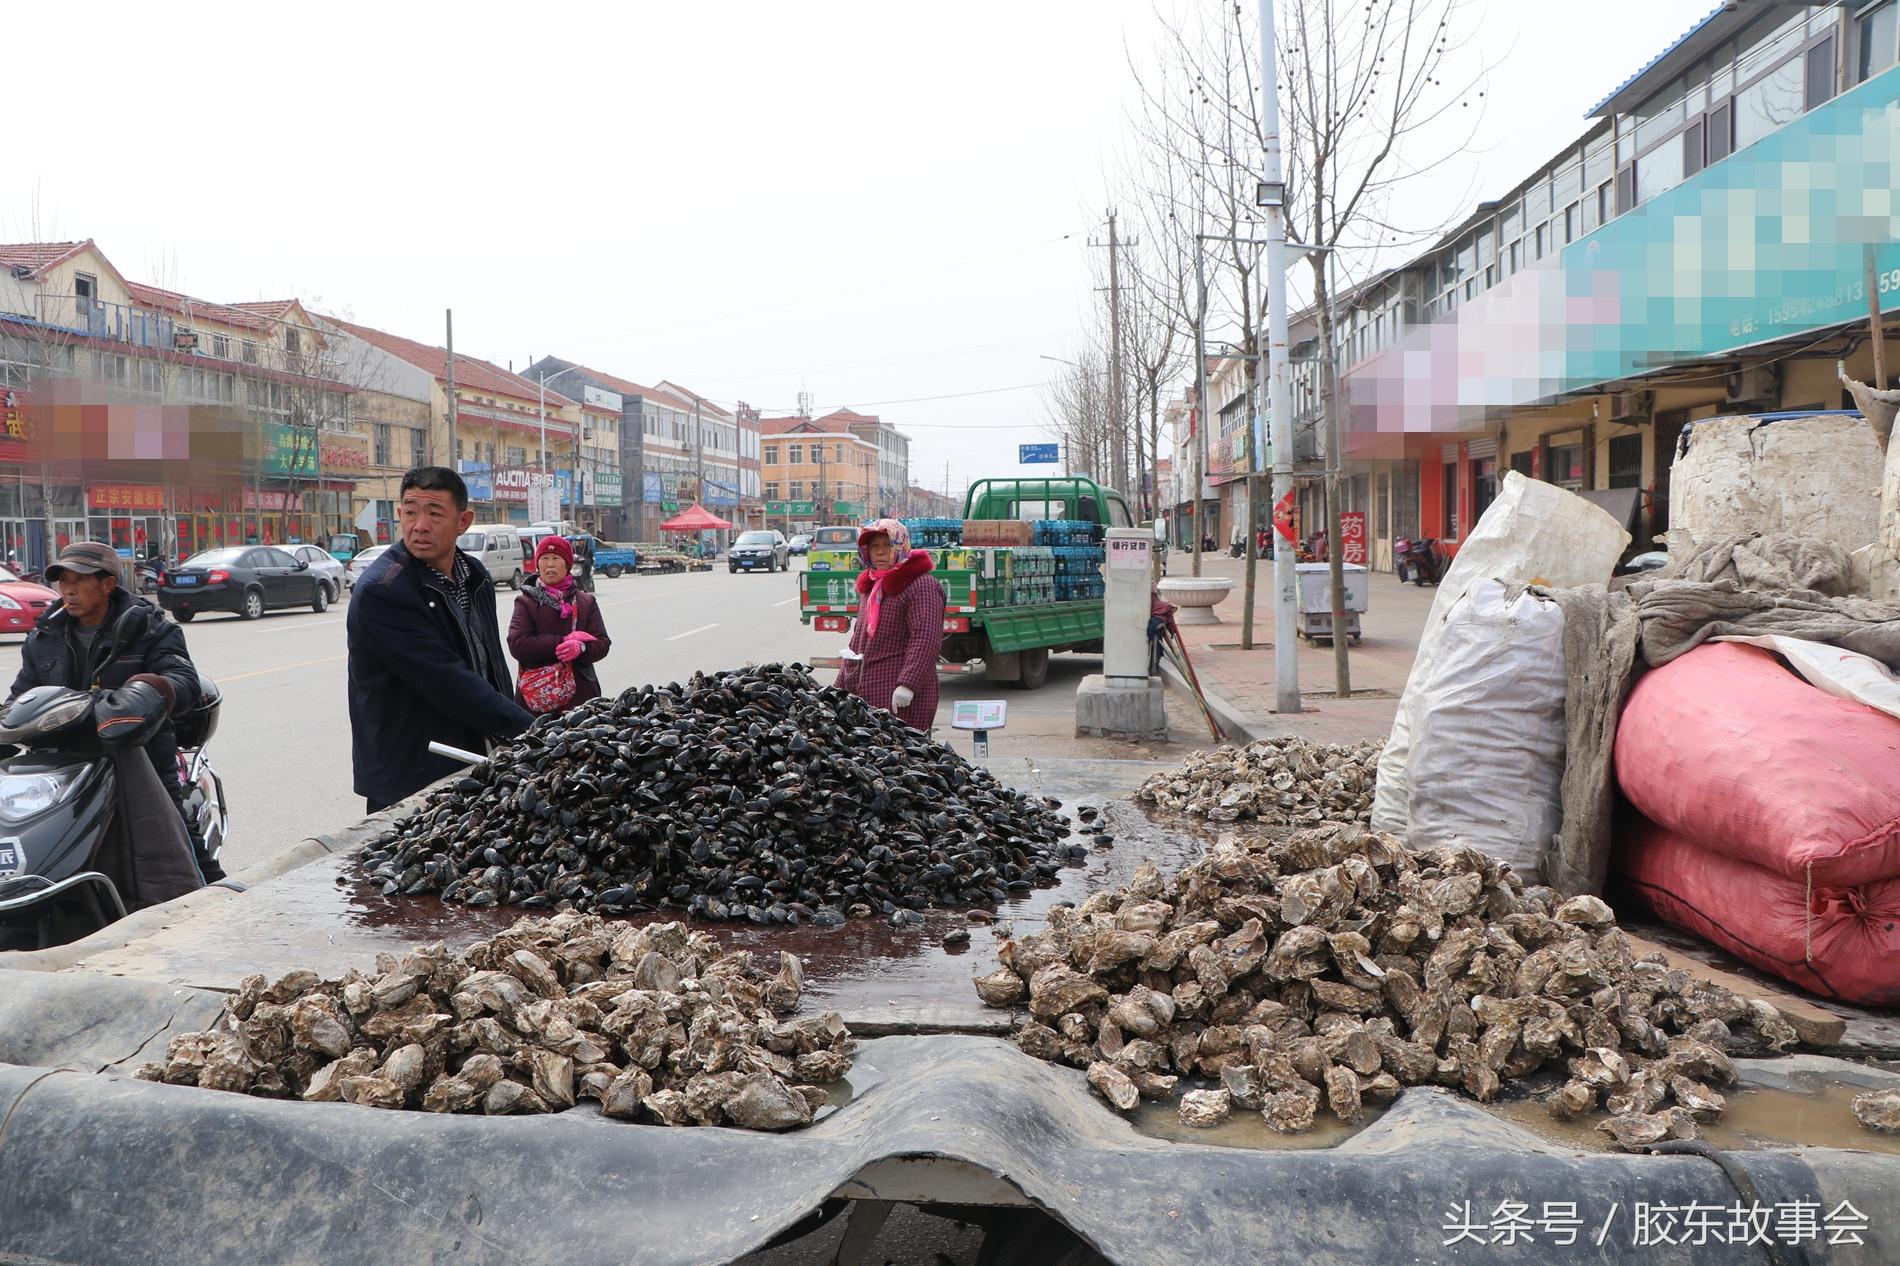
900,698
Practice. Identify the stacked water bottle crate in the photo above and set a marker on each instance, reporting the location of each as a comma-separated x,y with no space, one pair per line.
934,534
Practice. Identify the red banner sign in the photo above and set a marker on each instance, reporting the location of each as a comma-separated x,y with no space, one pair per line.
1352,537
126,497
1283,517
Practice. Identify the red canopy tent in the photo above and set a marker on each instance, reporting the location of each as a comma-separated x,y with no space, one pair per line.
695,518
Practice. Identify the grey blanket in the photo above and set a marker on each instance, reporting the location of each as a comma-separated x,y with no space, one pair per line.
1747,587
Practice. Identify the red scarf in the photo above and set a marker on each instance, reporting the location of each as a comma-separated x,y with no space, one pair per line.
875,586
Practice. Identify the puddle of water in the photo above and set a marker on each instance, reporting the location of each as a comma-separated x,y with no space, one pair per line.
1756,1118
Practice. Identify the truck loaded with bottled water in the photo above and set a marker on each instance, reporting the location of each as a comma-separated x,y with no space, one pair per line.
1021,570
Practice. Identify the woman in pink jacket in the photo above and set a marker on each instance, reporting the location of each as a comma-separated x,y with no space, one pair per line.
900,627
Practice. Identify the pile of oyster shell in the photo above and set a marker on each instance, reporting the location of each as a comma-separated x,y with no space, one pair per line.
655,1023
1333,968
754,795
1280,781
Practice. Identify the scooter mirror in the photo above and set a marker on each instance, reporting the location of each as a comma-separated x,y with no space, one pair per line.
129,628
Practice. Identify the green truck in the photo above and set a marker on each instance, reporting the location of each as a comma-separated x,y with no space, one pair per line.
1002,625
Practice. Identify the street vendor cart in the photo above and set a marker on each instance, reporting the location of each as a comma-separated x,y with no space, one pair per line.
1316,600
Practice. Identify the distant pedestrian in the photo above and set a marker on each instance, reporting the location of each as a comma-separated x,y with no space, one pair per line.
892,662
556,622
426,660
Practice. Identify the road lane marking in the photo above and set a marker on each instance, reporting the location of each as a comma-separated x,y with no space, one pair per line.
280,668
689,632
307,624
787,602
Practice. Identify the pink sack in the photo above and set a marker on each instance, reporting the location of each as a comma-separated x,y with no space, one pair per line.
1837,942
1730,750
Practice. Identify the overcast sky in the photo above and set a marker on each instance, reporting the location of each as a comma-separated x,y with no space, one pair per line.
888,205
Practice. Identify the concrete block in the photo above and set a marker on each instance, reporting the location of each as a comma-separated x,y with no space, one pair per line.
1137,709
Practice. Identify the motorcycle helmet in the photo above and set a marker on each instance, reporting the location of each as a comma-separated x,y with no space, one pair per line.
196,725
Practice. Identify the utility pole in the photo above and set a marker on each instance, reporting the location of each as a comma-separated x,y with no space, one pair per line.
1119,457
1272,194
1335,542
449,317
1200,402
699,455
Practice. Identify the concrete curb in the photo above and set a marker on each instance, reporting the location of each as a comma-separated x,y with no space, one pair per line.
1232,721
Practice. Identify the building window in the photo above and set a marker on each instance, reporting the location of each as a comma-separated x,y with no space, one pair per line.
771,454
1484,486
796,456
771,491
1626,461
1451,500
517,456
1570,223
381,437
292,343
1382,525
221,346
798,490
419,447
1566,466
1524,463
1879,35
149,375
85,287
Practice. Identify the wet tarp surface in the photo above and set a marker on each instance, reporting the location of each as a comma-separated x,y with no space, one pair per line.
107,1169
325,918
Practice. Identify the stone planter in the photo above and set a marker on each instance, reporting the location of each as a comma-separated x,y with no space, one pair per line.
1197,596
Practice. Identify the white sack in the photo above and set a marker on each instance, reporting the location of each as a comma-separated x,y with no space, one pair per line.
1533,533
1842,673
1487,763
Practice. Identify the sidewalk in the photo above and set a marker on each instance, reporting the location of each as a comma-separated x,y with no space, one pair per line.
1240,685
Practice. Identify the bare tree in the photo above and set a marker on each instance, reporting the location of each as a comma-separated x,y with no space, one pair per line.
1362,82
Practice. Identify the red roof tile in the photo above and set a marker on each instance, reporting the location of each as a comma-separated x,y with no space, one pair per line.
37,257
471,374
185,305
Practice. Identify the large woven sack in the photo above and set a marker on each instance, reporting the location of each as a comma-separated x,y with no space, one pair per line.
1533,533
1735,753
1488,737
1838,942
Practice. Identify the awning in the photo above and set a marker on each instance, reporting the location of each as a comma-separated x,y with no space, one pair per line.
695,518
1619,503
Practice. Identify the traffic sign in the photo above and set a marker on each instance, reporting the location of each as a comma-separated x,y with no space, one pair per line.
1034,454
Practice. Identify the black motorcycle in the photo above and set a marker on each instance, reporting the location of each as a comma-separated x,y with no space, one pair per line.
1417,559
60,876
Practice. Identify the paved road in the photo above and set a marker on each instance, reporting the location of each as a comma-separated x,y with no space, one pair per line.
283,743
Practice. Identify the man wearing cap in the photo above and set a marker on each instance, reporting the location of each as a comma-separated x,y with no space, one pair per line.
426,660
72,645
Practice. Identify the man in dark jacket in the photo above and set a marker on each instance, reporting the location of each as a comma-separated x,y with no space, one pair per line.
426,661
73,645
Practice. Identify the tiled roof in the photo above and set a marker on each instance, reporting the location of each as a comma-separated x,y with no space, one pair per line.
847,415
470,374
624,386
790,426
36,257
275,309
203,309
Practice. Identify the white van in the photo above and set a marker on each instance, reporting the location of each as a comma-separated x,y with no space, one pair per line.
498,545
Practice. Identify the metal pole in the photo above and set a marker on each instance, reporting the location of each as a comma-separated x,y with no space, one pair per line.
1200,404
455,463
1118,458
1286,661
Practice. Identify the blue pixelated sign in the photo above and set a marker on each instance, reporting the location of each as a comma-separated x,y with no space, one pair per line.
1034,454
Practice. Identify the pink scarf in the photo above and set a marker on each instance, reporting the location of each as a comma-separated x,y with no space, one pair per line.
874,601
564,590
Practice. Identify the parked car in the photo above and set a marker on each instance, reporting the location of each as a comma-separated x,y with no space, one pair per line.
502,550
22,602
323,564
246,580
799,545
759,551
360,564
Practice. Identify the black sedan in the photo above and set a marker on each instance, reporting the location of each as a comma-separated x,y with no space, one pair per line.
759,551
246,580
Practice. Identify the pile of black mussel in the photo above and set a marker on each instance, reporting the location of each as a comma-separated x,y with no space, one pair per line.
754,795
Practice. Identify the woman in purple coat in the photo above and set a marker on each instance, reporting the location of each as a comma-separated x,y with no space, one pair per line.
892,662
555,621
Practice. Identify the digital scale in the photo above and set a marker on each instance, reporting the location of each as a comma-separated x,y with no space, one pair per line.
979,716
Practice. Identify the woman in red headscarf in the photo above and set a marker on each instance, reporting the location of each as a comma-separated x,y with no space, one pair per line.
892,663
555,621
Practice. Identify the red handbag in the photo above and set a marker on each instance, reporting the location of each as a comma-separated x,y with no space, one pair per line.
547,689
551,687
